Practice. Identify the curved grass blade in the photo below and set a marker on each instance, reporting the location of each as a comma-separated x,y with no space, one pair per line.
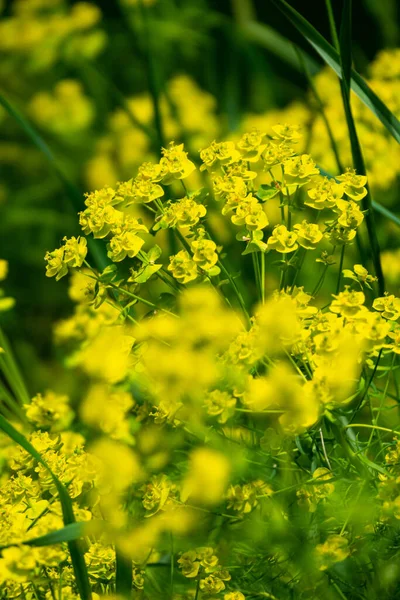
331,57
77,558
73,192
69,533
358,159
266,36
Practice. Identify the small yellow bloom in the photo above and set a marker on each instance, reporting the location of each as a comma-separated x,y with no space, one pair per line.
308,235
282,240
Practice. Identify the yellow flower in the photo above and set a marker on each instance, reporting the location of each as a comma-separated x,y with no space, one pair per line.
175,164
299,169
124,244
250,213
51,411
183,267
353,184
189,564
234,596
340,235
324,194
17,564
213,584
308,235
335,549
287,132
282,240
251,145
221,404
156,494
350,214
348,303
388,306
359,274
217,154
183,213
70,255
204,253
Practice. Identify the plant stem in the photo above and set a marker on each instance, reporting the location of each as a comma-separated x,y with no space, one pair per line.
340,268
197,589
263,277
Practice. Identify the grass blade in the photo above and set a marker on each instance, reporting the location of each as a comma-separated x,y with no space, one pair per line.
69,533
358,159
274,42
77,558
332,58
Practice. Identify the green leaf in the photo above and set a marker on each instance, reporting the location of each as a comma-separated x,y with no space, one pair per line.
77,559
214,271
331,57
145,274
255,246
109,273
154,253
266,192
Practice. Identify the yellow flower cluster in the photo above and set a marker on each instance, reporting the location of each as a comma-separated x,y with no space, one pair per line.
42,31
66,111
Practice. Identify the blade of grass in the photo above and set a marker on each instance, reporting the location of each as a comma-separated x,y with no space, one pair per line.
77,558
69,533
332,58
274,42
72,191
332,24
15,379
358,159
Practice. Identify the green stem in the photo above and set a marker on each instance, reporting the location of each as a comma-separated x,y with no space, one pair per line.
340,268
257,273
197,589
237,292
378,427
263,277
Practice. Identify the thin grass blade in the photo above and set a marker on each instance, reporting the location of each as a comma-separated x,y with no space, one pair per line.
358,159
